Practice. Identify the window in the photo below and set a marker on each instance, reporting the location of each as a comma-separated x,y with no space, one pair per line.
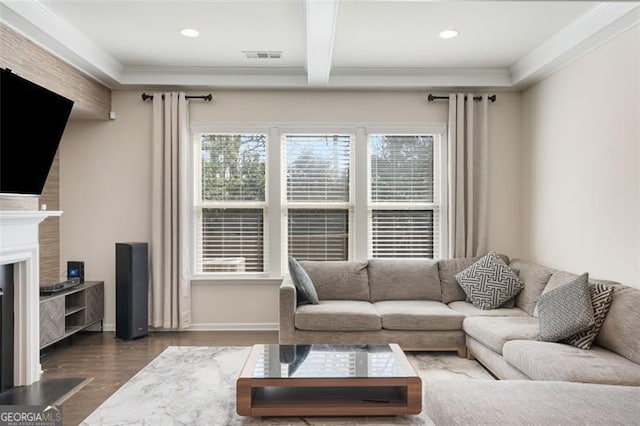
323,194
318,196
231,203
403,199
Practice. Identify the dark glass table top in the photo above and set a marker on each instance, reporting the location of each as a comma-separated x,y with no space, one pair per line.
329,361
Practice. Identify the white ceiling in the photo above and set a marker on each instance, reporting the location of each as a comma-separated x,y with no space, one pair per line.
324,43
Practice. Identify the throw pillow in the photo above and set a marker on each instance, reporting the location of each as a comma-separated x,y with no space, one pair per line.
601,297
489,282
305,291
565,310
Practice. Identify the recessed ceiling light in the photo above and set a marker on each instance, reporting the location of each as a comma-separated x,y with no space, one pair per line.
448,34
189,32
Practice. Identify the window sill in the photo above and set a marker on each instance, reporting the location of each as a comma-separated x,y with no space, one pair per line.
230,279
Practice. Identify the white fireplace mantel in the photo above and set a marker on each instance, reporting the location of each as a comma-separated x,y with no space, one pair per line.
19,246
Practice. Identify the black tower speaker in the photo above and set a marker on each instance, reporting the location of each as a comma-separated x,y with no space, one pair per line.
132,287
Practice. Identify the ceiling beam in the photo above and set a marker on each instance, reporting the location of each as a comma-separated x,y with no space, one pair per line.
321,18
599,24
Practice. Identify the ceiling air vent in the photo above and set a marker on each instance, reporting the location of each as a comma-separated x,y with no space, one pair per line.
262,54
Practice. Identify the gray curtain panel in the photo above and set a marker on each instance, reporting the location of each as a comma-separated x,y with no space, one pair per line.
468,170
170,291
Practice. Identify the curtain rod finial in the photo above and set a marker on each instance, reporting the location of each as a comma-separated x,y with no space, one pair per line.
431,98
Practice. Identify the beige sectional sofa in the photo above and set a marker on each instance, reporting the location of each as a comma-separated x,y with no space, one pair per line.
507,345
418,304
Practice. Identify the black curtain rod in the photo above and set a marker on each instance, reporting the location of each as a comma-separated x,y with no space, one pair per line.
432,98
207,98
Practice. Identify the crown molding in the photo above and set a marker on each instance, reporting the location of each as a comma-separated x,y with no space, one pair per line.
37,22
231,77
598,25
419,77
340,78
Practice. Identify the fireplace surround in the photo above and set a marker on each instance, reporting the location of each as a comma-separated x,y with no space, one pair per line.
19,247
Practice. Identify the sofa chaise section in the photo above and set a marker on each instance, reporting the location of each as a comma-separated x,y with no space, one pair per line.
516,402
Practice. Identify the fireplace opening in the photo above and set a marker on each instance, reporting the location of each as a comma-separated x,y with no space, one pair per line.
6,326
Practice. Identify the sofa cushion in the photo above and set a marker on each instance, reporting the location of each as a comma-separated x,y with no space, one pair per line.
468,310
338,315
489,282
305,291
601,295
565,310
404,279
621,329
447,270
535,277
339,280
557,361
522,402
418,315
494,332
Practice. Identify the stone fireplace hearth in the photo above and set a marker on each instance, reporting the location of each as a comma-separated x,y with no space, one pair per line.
19,246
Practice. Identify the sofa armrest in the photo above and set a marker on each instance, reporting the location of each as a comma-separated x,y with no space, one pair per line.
287,299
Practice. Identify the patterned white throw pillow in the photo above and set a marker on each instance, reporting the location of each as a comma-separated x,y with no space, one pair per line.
601,297
489,282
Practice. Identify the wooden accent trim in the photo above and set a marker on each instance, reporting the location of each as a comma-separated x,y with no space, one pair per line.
28,60
462,351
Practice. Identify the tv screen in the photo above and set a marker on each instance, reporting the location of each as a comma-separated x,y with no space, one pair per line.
32,120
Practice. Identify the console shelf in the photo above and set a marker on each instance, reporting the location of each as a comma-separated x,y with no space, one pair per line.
70,311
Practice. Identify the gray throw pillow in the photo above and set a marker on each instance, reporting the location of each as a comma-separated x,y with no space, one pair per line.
489,282
601,297
566,310
305,291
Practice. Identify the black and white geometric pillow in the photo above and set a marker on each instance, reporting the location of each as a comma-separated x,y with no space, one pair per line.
566,310
489,282
601,297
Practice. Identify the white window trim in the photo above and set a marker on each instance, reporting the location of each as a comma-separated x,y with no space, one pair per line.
440,168
276,208
196,204
337,205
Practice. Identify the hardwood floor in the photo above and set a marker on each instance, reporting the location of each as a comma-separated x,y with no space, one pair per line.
111,362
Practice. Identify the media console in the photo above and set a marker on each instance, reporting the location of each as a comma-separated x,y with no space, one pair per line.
67,312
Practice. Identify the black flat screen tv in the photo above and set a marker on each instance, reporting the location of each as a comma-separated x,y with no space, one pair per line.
32,120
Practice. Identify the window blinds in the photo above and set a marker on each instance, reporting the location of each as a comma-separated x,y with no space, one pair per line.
318,168
404,233
401,168
316,234
232,240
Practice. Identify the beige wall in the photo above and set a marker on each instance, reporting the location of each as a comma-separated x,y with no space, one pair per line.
105,179
581,158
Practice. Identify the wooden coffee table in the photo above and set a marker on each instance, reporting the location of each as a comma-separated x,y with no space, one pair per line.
328,380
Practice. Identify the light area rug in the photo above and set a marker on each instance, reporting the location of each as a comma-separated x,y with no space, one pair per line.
188,385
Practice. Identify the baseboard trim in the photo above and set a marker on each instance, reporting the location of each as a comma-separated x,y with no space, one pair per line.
215,326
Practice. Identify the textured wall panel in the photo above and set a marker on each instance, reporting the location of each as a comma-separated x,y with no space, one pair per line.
18,53
50,228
